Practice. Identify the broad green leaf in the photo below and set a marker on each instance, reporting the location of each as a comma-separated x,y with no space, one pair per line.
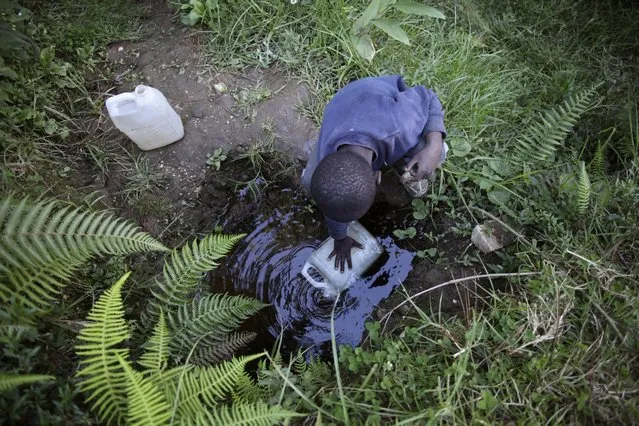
499,197
485,184
367,16
392,29
460,147
415,8
364,46
499,166
191,19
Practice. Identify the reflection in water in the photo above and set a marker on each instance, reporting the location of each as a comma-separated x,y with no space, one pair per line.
267,265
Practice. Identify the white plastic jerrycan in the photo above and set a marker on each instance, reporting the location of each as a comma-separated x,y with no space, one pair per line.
332,280
146,117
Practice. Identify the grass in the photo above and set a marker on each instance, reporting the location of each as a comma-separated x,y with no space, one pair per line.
558,348
141,178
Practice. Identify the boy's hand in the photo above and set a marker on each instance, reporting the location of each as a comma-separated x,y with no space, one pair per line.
342,252
425,162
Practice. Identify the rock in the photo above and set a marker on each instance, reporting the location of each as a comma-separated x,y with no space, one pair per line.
491,236
406,308
221,87
380,313
227,101
198,111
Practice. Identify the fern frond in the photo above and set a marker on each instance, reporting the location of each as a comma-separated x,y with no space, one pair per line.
299,363
246,390
209,320
545,135
10,381
317,375
583,189
15,331
206,386
598,162
147,405
184,269
157,347
255,414
222,350
100,372
42,244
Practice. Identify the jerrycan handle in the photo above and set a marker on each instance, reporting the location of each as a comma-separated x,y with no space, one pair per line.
310,279
115,103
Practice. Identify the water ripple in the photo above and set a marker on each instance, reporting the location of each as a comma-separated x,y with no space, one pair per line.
268,264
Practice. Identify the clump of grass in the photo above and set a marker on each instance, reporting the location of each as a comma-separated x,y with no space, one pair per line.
142,178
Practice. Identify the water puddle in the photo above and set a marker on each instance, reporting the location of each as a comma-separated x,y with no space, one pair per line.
267,265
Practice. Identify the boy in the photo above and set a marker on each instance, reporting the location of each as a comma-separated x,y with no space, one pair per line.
369,124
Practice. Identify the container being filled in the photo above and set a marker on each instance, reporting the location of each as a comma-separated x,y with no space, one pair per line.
321,273
146,117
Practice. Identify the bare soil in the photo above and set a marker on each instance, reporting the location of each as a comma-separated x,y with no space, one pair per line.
171,58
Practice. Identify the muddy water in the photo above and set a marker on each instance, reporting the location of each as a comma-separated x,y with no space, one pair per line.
267,265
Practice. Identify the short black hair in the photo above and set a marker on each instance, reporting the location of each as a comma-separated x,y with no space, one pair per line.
343,186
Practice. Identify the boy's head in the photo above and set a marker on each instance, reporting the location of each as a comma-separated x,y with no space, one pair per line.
343,186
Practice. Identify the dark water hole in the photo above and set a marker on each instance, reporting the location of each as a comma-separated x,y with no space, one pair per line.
282,231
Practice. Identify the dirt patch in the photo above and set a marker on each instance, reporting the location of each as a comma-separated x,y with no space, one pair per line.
241,111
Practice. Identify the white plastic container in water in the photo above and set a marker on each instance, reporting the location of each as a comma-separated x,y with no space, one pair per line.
146,117
332,280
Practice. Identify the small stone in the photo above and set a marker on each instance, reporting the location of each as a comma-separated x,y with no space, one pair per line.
491,236
198,111
221,87
227,101
405,308
380,313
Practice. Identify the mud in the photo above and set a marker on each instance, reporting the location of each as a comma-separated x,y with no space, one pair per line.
254,106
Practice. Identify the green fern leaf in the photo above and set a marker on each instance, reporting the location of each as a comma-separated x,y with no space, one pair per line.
157,347
583,189
41,245
222,350
299,364
10,381
202,387
185,268
255,414
208,320
544,136
246,390
147,405
100,372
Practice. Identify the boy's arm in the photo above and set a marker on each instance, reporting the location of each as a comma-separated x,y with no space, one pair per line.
342,244
336,229
425,162
435,122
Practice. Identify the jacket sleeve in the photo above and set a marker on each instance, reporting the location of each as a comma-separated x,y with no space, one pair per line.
336,229
431,103
427,101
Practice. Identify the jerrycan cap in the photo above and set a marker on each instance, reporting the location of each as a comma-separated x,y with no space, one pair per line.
141,90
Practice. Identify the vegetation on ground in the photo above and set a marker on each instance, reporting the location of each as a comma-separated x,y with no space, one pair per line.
543,128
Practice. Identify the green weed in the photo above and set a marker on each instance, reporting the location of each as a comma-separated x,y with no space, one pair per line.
528,138
141,178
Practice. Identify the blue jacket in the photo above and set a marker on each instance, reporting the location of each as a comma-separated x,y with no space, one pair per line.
382,114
